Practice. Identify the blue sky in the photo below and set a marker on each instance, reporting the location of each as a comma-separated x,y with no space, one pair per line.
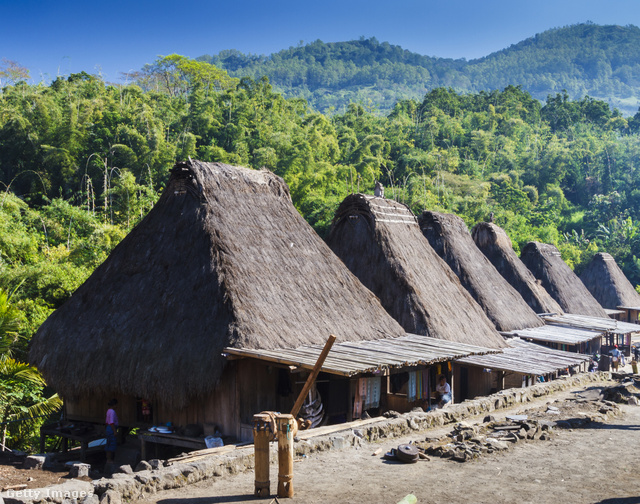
66,36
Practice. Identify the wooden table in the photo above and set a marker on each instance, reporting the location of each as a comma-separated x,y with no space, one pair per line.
168,439
84,439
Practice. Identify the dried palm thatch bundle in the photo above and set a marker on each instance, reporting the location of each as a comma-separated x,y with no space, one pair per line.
496,246
546,264
380,241
222,260
608,284
450,238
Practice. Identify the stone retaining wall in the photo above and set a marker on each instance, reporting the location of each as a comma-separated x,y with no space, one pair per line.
134,486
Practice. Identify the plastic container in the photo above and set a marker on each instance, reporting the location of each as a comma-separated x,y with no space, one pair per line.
213,442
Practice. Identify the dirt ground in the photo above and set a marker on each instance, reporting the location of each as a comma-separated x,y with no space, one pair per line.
12,475
597,463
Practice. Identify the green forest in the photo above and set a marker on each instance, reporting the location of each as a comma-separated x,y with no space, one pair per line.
584,59
82,161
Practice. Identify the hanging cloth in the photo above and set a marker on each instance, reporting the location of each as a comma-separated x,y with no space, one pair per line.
357,406
362,387
367,401
425,383
375,391
411,387
357,403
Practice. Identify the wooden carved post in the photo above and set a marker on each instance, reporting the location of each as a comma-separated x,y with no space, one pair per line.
261,436
285,455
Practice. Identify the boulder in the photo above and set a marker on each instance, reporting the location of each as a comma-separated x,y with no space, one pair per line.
34,462
111,497
143,465
497,444
79,470
156,463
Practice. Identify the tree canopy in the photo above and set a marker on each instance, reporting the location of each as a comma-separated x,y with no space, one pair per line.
583,59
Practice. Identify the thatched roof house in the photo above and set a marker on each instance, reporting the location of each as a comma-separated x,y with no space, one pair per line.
450,238
546,264
608,284
495,244
380,241
222,260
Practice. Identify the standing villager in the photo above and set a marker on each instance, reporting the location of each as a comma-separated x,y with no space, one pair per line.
111,430
615,357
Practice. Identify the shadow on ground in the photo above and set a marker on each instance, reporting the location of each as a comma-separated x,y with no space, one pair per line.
620,500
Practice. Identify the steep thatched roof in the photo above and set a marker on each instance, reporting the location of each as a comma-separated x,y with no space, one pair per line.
222,260
607,283
450,238
380,241
546,264
496,246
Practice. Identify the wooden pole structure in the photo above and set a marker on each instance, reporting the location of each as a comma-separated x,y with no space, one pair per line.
261,436
312,377
285,455
500,384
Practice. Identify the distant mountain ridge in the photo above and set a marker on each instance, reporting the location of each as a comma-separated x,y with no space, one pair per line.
584,59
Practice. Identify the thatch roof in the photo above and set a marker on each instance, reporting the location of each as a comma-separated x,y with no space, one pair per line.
380,241
495,244
607,283
222,260
450,238
546,264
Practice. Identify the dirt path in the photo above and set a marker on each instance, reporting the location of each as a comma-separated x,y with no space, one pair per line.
595,464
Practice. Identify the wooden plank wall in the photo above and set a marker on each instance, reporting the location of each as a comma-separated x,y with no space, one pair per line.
479,383
513,380
247,387
93,409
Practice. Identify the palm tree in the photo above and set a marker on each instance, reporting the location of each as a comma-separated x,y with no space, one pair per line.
20,384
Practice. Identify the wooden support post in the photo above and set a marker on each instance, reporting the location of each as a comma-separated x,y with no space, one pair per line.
312,377
500,384
350,401
285,455
261,436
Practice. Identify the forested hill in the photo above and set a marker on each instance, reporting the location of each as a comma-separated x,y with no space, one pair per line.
585,59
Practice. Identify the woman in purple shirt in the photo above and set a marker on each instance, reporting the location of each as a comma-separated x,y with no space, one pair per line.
112,427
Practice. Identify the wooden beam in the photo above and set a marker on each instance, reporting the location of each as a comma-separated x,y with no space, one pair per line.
312,377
